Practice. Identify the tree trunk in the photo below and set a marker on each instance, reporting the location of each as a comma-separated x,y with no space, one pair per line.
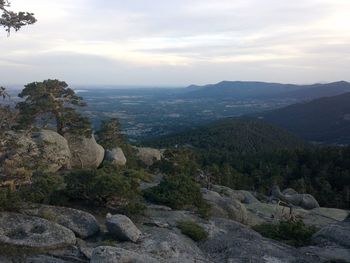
59,123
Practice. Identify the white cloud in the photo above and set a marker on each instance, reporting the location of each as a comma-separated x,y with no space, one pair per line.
179,42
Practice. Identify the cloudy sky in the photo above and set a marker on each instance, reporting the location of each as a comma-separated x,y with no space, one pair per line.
179,42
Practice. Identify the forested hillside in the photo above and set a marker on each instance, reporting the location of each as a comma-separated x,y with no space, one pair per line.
250,154
236,135
325,120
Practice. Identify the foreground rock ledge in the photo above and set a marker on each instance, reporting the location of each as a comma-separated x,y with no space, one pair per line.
27,232
81,223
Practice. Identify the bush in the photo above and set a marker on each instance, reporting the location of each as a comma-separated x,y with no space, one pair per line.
192,230
178,192
292,233
9,201
45,188
106,187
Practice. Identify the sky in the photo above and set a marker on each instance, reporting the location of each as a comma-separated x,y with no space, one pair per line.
178,42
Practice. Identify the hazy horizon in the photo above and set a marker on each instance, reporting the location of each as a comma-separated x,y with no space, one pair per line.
116,86
176,44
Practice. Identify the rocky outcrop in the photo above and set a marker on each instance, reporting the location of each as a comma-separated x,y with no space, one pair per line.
122,228
230,241
81,223
27,232
243,196
148,156
106,254
305,201
265,213
115,156
225,206
86,152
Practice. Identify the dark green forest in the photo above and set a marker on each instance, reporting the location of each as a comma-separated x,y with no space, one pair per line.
217,151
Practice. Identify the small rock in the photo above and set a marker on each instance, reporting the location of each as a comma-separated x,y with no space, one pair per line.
116,156
148,155
122,228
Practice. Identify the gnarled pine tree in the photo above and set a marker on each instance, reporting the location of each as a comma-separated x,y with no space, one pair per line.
12,20
52,100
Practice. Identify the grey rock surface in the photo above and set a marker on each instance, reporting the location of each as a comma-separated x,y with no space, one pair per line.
338,234
243,196
230,241
328,253
168,246
122,228
81,223
305,201
86,152
148,155
116,156
28,232
225,206
107,254
331,243
44,259
47,148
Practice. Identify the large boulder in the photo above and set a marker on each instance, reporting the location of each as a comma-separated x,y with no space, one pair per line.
28,232
54,149
122,228
167,246
116,156
148,155
305,201
86,152
81,223
225,206
230,241
45,148
106,254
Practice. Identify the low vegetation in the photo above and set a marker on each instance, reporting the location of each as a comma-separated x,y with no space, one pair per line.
106,187
178,192
192,230
292,233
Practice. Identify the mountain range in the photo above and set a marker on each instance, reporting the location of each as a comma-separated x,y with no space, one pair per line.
263,90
